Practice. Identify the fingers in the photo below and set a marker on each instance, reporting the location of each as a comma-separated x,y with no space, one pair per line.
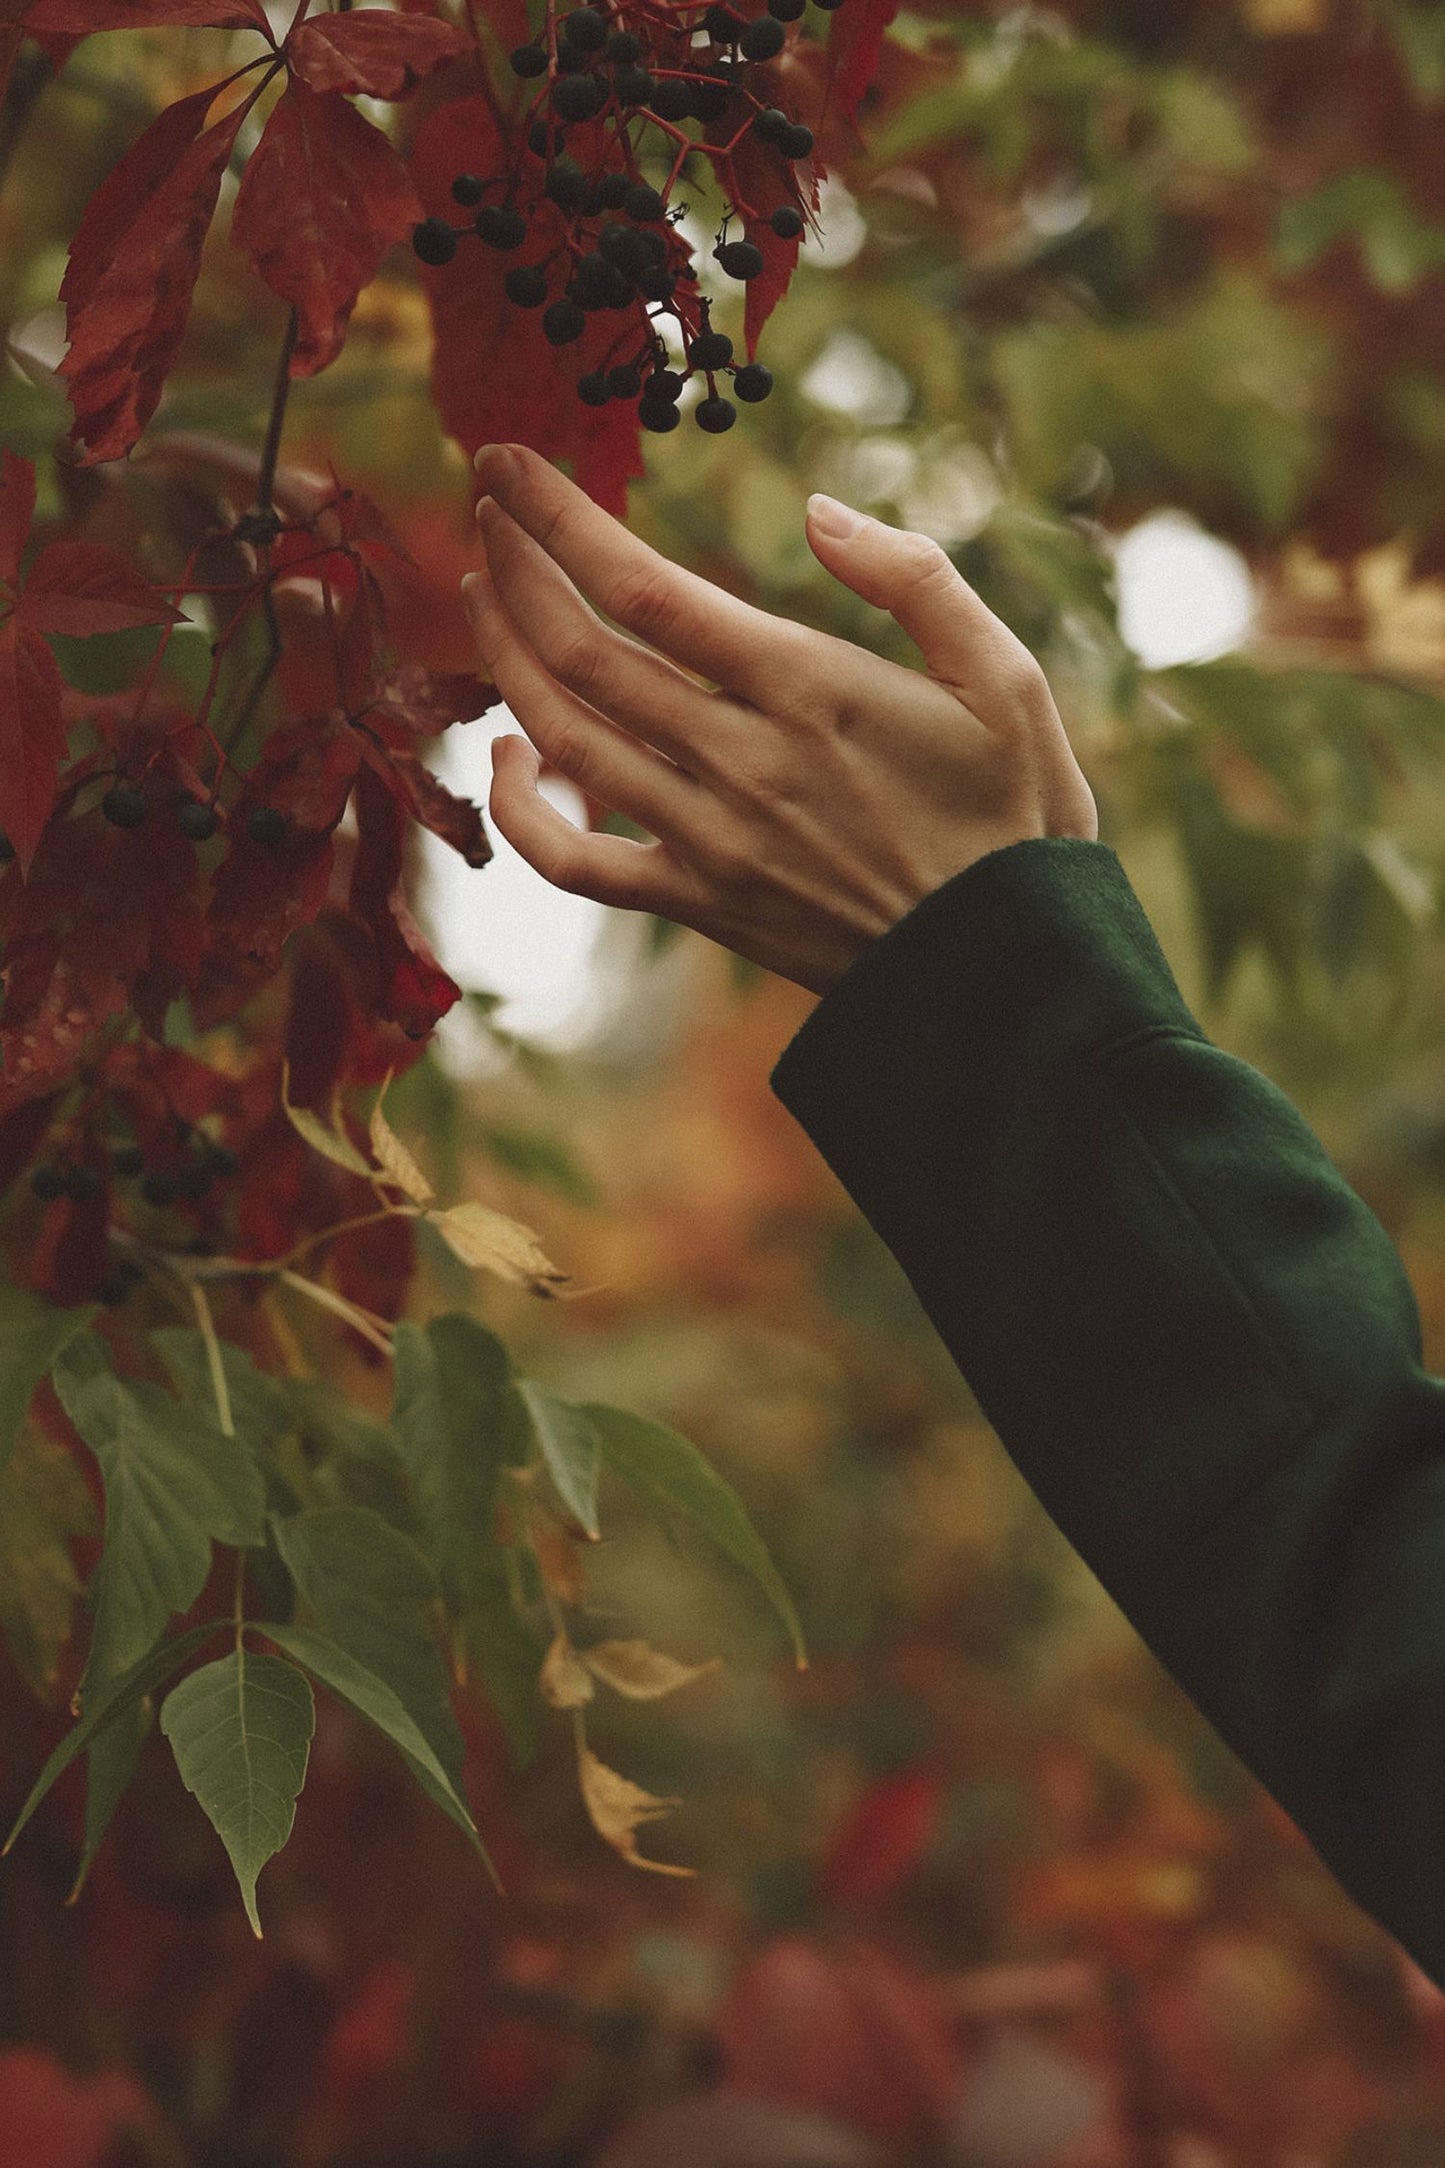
965,646
601,759
610,869
644,692
744,650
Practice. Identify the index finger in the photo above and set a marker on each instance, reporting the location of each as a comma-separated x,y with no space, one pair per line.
700,626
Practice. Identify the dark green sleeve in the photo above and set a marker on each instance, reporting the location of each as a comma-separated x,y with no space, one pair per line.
1195,1341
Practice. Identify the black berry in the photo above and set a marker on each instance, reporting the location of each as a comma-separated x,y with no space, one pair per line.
526,284
48,1182
722,26
715,415
796,140
223,1159
544,136
763,39
709,98
570,60
770,124
612,192
196,820
664,384
112,1289
579,97
468,191
617,294
643,203
787,11
500,226
529,60
124,805
266,824
672,99
827,5
740,259
656,282
593,389
567,184
711,350
625,381
623,48
127,1159
434,241
752,382
786,222
634,86
658,415
562,322
590,285
159,1188
587,28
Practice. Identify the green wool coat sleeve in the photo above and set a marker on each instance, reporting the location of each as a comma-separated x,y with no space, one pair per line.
1195,1341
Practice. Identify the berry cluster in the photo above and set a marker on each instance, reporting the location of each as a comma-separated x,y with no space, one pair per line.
697,69
125,805
189,1175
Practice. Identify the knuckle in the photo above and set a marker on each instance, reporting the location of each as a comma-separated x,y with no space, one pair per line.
643,602
925,562
579,662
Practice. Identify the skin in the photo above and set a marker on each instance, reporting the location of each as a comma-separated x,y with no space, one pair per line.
804,793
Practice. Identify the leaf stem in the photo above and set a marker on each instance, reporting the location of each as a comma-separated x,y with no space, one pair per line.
271,451
207,1324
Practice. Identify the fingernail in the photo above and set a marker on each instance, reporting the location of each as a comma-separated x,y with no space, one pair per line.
832,518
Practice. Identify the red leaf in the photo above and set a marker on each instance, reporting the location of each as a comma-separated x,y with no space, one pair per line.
133,268
52,2119
411,986
883,1839
758,175
322,200
32,737
79,587
494,376
381,54
456,820
17,508
79,18
430,701
855,39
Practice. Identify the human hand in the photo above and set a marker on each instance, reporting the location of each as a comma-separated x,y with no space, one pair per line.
815,796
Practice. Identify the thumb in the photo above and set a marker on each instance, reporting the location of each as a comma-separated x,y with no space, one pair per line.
963,643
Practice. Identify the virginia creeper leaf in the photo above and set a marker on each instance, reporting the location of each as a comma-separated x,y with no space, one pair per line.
331,1143
640,1672
240,1730
459,1421
855,37
619,1807
669,1472
565,1680
260,1409
172,1482
79,587
44,1504
79,18
393,1155
455,820
569,1449
411,987
109,1767
32,737
376,1595
32,1333
132,271
323,197
373,1698
107,1703
371,51
491,1242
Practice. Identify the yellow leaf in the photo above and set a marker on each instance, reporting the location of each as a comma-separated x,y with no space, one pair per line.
618,1807
336,1148
393,1155
641,1672
497,1244
564,1679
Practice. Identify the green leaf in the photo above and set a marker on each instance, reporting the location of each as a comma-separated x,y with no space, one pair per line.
568,1445
374,1700
260,1409
507,1651
44,1503
459,1420
240,1730
668,1471
376,1596
173,1481
109,1767
107,1703
32,1333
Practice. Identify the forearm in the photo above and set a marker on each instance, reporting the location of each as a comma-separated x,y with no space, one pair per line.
1196,1342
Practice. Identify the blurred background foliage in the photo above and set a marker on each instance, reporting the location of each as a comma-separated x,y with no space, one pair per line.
980,1889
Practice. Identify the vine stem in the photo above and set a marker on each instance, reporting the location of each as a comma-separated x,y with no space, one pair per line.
271,451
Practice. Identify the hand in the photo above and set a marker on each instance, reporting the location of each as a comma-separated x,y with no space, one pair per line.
818,793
